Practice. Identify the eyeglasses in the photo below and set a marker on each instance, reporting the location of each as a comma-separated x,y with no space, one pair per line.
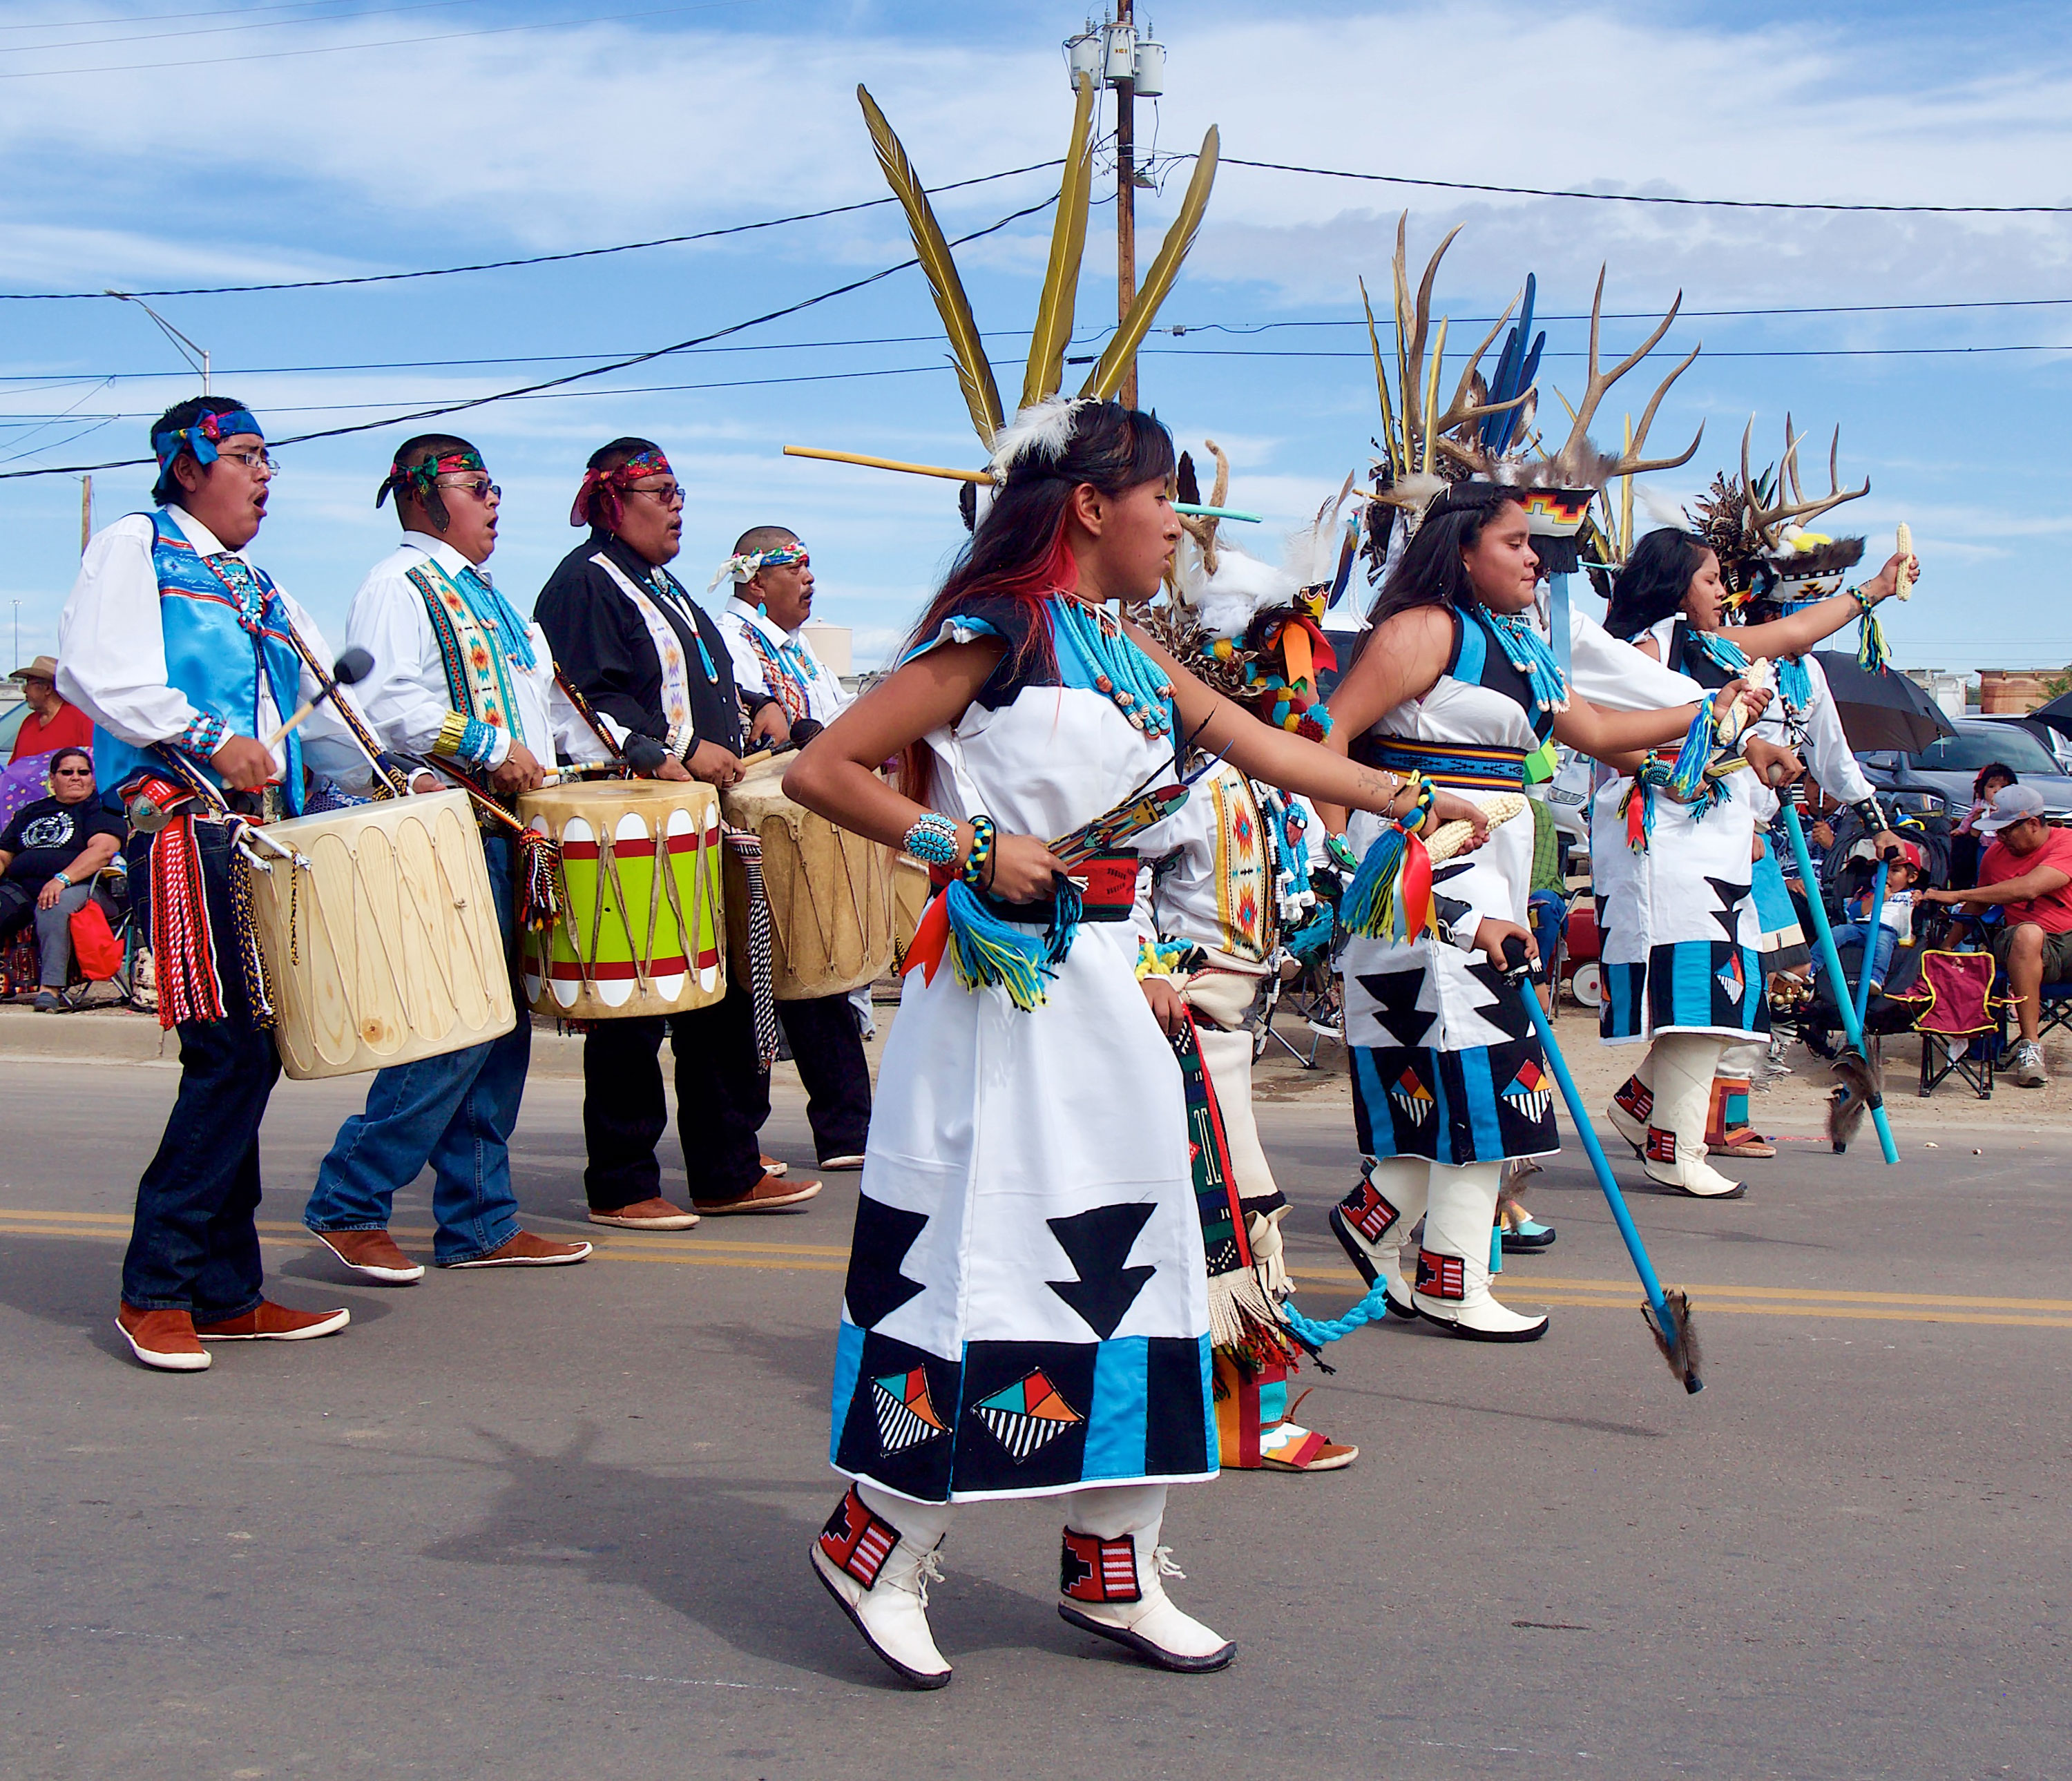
670,495
256,461
480,486
71,773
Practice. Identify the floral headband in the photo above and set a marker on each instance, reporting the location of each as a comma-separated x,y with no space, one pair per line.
746,566
422,481
202,436
602,488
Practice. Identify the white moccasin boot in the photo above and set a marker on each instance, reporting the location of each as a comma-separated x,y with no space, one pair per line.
1674,1152
1374,1221
1453,1288
1633,1104
1113,1582
879,1576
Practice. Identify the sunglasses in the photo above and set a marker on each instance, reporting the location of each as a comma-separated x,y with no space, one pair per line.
71,773
480,486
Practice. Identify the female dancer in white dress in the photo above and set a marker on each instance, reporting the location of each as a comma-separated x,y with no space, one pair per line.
1449,1081
1679,922
1026,1309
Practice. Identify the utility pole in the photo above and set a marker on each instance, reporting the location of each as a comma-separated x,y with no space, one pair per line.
1122,51
85,511
1134,66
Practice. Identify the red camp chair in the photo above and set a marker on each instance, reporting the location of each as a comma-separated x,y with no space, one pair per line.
1958,1020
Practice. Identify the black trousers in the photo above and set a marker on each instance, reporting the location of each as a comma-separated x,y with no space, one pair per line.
194,1246
828,1051
722,1101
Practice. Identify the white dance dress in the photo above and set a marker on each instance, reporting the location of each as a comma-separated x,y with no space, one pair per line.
1026,1309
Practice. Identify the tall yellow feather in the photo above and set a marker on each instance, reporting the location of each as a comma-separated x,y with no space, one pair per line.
1390,447
1068,240
1108,374
974,374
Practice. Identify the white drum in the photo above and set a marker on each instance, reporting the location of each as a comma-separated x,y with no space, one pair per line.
380,938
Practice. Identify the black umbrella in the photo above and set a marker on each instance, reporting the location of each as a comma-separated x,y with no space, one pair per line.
2058,714
1880,709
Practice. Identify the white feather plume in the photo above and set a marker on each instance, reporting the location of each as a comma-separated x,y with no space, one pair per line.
1043,430
1242,586
1662,509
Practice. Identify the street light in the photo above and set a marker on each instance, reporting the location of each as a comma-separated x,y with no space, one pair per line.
194,356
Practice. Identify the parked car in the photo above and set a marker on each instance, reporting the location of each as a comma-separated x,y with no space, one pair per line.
1948,766
12,715
2059,743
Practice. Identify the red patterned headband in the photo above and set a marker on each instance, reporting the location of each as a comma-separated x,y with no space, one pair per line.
601,489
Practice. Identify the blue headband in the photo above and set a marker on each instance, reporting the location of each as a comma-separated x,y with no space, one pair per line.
202,436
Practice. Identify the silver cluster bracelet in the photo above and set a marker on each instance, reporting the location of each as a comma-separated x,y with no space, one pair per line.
932,840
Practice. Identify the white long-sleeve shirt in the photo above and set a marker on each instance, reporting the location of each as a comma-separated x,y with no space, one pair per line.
406,696
823,690
111,652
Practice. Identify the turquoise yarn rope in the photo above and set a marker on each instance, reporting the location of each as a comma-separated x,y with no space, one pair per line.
1372,1309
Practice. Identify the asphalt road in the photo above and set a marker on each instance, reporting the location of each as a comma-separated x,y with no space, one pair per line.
554,1524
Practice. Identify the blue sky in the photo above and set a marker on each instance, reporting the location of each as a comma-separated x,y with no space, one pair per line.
422,134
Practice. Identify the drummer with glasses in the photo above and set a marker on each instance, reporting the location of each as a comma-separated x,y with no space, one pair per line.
770,578
182,651
462,680
653,666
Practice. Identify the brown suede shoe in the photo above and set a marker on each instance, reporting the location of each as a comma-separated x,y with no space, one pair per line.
268,1321
768,1195
523,1250
646,1215
162,1338
374,1255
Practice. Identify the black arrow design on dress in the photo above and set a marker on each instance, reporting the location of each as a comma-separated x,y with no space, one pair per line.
1508,1014
876,1286
1731,896
1396,992
1099,1242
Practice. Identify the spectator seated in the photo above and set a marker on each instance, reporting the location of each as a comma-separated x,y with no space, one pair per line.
52,851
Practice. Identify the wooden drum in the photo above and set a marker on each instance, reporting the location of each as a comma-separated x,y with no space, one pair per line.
380,939
831,893
631,940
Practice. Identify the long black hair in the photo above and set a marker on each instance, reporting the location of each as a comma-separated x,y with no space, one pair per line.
1431,572
1652,585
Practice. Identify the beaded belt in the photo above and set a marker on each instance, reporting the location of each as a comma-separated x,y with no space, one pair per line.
1457,764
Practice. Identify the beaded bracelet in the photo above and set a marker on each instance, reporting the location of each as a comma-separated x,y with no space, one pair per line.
981,851
932,840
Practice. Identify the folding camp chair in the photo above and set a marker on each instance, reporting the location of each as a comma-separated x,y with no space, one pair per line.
1959,1020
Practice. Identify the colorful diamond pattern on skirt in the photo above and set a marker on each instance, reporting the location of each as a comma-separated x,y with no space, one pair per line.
1411,1094
1732,978
906,1416
1028,1416
1529,1091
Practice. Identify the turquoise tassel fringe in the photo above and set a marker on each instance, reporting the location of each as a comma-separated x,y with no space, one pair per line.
986,951
1370,906
1871,651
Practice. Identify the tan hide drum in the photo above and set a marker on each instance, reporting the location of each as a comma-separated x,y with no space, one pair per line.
380,938
911,888
830,892
631,940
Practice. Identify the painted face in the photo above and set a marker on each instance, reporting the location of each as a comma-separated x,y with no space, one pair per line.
785,591
1502,567
1139,532
1705,599
650,518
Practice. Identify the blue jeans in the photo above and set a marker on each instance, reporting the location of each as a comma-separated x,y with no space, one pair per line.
193,1246
454,1111
1548,910
1852,933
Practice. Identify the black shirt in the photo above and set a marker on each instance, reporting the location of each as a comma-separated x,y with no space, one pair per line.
601,642
46,837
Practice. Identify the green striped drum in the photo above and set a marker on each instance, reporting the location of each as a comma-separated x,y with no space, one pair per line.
642,931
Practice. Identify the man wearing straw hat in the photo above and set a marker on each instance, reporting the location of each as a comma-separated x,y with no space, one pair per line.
652,665
460,678
185,655
51,722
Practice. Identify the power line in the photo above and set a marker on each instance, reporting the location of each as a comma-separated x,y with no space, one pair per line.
146,17
1781,352
501,265
217,31
385,44
578,377
1641,198
1387,322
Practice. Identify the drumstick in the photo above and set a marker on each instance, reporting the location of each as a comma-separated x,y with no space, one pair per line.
349,670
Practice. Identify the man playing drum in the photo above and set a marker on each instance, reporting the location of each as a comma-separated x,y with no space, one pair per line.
774,664
180,649
460,677
654,667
